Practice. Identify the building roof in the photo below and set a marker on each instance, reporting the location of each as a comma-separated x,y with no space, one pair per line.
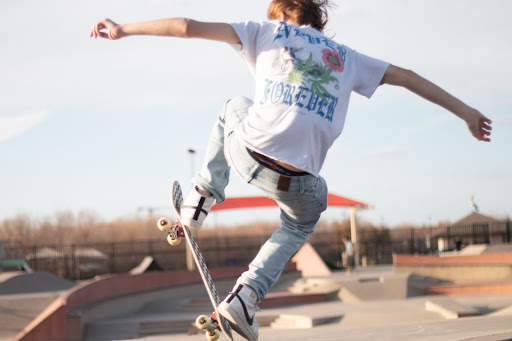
475,218
252,202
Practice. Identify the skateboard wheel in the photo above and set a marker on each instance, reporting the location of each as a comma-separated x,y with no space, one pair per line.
173,241
213,335
203,322
164,224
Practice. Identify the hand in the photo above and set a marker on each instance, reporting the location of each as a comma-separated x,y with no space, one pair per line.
114,30
479,126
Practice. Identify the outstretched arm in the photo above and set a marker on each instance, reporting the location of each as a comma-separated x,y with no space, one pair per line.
173,27
479,126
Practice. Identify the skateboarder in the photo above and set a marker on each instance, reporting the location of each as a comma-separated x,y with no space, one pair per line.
278,143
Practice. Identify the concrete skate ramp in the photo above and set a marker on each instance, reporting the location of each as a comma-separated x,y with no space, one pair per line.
16,311
503,312
387,287
374,288
470,250
21,283
309,262
147,264
364,285
460,268
478,249
498,248
62,320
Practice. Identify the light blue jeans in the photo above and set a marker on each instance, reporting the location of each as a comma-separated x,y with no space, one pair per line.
300,206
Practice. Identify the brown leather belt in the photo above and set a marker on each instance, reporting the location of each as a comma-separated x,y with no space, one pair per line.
267,162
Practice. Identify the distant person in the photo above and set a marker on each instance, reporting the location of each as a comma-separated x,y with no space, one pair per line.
278,143
458,244
348,254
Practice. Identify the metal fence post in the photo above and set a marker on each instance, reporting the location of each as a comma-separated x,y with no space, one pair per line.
508,231
413,249
35,265
111,258
1,254
75,262
353,236
448,237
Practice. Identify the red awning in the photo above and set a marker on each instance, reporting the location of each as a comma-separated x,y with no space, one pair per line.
252,202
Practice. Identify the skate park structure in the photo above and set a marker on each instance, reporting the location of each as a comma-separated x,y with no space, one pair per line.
158,303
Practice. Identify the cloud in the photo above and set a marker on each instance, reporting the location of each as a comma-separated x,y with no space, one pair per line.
14,126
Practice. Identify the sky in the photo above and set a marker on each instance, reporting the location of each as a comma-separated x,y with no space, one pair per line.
105,126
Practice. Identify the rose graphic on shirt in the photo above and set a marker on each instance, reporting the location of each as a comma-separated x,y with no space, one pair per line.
333,60
305,71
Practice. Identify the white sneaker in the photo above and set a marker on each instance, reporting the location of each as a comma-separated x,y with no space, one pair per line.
239,309
195,208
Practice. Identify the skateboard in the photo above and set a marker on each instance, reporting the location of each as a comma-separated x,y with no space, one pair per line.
176,232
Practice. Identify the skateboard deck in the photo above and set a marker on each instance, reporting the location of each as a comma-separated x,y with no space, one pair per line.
178,231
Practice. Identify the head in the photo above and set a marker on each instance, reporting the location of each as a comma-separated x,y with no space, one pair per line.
300,12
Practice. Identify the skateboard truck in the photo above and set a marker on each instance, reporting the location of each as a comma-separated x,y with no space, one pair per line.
210,324
174,231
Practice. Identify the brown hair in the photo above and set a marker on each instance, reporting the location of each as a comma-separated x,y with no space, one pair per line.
301,12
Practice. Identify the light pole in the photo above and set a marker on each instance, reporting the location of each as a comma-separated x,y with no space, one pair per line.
192,153
353,233
191,265
353,236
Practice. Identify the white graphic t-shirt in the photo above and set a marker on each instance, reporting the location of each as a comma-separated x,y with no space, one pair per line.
303,86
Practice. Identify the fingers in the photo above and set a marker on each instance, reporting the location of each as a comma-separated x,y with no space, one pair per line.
96,30
485,128
479,126
486,124
483,135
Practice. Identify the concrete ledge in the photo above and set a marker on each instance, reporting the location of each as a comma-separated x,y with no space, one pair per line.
503,312
483,259
471,288
285,299
375,288
292,321
279,299
492,266
449,309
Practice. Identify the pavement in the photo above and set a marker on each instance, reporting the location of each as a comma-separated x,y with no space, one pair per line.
372,303
478,329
